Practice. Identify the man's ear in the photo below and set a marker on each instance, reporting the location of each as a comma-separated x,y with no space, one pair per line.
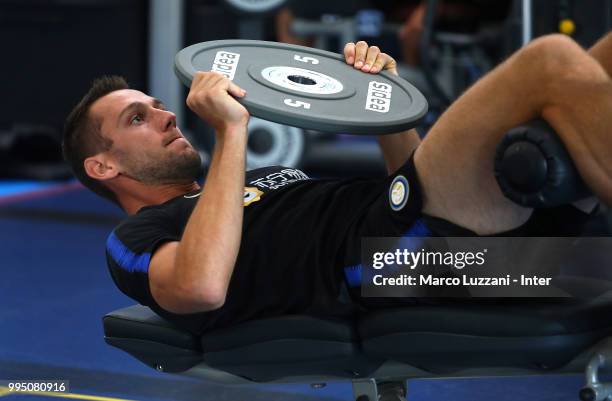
100,167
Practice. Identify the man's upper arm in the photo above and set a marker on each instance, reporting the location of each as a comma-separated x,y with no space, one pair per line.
397,148
164,288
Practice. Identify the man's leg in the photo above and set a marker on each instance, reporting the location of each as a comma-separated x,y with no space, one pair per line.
553,78
602,52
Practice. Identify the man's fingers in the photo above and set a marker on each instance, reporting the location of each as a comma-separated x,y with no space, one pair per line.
384,62
235,90
361,48
378,64
370,59
204,80
206,84
197,77
349,53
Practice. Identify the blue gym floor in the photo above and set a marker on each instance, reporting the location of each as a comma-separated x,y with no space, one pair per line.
54,290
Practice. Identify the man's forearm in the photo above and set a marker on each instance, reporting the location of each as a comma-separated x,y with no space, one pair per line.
207,252
396,148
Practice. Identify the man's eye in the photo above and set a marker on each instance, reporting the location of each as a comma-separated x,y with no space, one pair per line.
137,119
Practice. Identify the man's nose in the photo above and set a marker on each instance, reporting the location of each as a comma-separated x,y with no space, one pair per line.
168,119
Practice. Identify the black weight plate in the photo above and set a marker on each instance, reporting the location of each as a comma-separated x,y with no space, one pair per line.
307,88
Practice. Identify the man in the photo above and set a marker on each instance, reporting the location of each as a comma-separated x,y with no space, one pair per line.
229,253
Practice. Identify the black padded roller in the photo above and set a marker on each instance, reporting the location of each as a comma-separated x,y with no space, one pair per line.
534,169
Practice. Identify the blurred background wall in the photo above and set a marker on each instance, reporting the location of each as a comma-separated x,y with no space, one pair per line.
52,49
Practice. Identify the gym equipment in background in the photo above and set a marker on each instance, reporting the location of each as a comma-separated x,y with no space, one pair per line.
61,47
32,152
255,6
272,144
584,21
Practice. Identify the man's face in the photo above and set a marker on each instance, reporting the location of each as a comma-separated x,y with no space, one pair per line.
147,144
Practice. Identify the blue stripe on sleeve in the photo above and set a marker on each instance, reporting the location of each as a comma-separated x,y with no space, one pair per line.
125,258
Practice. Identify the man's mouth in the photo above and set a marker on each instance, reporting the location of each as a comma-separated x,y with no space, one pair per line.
173,139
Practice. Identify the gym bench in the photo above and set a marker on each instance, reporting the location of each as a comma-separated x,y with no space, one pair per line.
381,349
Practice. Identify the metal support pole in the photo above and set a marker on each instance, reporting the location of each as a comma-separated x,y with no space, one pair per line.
165,40
527,22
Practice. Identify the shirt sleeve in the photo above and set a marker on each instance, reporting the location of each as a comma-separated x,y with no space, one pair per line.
129,249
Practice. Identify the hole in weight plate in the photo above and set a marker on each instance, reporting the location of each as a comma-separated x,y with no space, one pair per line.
302,80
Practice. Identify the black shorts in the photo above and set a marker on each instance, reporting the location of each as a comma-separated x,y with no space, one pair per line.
397,212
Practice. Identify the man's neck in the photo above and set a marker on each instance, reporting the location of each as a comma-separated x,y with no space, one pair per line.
143,195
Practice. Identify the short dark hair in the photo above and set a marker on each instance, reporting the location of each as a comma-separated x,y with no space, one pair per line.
83,136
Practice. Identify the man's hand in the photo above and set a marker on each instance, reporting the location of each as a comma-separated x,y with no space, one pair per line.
210,97
398,147
368,58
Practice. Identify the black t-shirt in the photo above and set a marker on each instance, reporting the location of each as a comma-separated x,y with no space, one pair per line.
291,257
301,237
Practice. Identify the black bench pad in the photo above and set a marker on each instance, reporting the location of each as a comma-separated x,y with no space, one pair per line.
262,350
532,334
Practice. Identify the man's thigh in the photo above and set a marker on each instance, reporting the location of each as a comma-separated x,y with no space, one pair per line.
455,160
552,77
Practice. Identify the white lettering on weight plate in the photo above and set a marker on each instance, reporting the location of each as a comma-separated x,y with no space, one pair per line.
379,97
226,63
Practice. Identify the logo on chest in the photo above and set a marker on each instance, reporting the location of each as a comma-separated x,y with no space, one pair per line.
279,179
251,194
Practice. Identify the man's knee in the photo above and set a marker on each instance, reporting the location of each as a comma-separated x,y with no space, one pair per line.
557,60
553,42
552,52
